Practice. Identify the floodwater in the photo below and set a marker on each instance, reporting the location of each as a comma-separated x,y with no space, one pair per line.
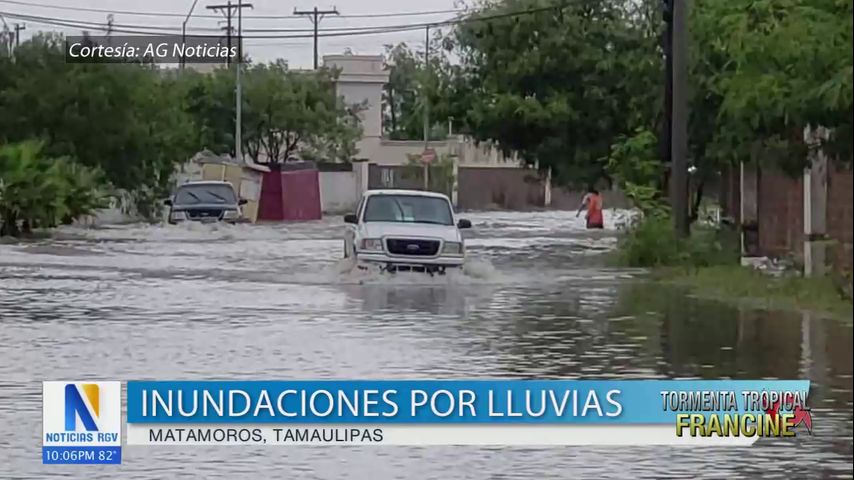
276,302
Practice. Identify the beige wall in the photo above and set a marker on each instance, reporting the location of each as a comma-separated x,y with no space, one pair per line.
339,191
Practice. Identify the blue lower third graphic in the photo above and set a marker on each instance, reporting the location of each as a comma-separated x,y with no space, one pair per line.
81,455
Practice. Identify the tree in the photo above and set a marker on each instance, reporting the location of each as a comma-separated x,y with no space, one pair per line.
411,83
285,113
400,119
126,120
559,85
209,100
288,112
774,68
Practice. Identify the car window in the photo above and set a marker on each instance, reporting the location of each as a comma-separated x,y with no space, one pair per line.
189,195
408,209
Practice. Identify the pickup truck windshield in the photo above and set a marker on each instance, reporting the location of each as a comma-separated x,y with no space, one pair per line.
408,209
193,194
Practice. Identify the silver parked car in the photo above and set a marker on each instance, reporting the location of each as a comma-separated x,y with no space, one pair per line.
206,201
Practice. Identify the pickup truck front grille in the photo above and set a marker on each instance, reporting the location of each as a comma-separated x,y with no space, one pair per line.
204,213
413,247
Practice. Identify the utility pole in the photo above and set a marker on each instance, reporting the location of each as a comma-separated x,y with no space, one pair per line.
426,100
679,124
228,32
184,32
667,44
316,16
109,34
18,28
228,10
238,127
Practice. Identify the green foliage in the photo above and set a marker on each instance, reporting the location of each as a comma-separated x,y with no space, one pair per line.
564,85
209,101
639,172
36,190
284,113
652,242
767,69
136,123
411,86
125,120
560,85
633,159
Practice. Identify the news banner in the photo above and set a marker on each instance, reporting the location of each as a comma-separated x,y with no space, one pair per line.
83,421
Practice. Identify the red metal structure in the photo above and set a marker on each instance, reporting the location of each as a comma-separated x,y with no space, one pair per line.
290,195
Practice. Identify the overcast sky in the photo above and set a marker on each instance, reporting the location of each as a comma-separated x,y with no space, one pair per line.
297,51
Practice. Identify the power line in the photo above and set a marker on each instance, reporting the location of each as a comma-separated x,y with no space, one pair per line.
181,15
169,30
162,30
338,32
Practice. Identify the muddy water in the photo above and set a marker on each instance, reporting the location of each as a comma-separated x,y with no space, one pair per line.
257,302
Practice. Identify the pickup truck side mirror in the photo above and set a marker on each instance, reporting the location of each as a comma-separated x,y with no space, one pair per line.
351,218
242,201
167,202
463,223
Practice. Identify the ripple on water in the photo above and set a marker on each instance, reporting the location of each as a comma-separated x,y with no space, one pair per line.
277,301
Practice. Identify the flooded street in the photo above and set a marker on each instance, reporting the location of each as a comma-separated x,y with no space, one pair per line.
276,302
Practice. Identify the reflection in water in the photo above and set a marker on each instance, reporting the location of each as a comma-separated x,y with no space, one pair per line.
273,301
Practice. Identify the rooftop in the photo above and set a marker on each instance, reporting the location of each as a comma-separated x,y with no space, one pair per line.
418,193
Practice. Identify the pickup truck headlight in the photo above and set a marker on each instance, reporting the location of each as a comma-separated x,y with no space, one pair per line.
452,248
177,216
372,244
231,215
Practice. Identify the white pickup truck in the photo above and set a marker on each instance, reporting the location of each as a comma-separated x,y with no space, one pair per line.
395,230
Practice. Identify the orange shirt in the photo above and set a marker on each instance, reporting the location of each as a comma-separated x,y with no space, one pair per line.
594,209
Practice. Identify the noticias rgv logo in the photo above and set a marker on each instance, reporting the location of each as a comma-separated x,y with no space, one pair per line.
76,408
80,412
81,422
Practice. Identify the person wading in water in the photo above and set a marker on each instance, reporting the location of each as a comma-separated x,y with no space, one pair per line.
593,202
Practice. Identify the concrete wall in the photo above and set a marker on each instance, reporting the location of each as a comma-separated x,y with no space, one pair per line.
728,194
781,210
339,192
839,215
780,214
484,154
495,187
